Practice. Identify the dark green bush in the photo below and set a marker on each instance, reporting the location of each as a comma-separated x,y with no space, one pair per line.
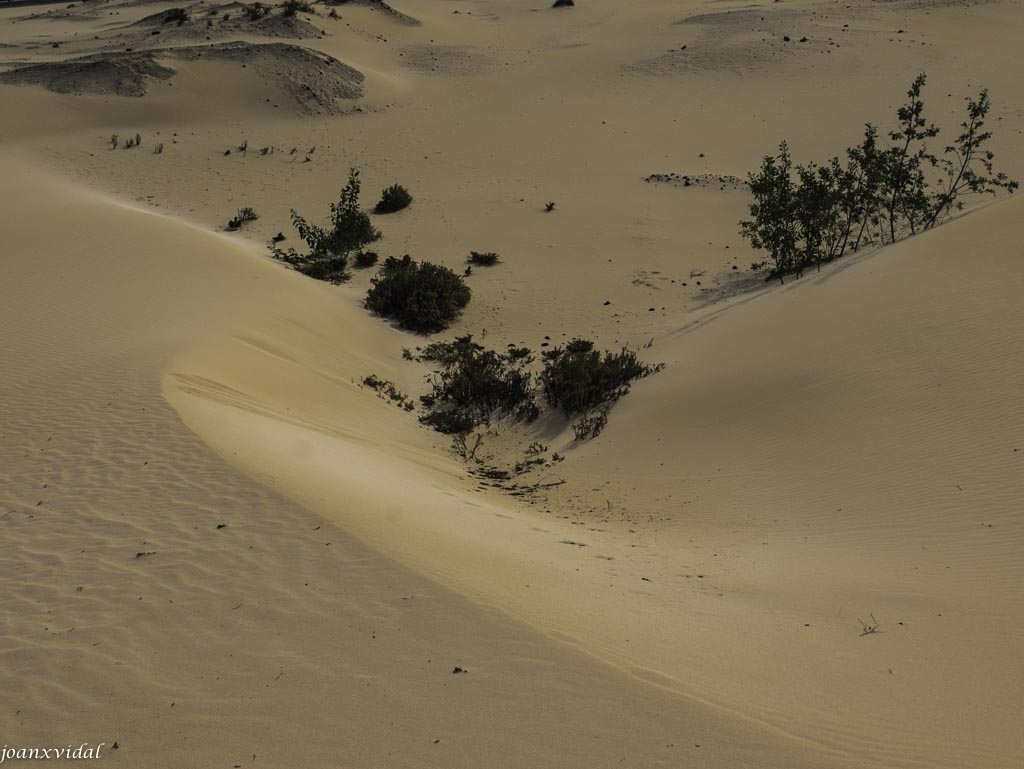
421,297
331,269
292,7
449,421
256,11
577,378
366,258
175,16
483,258
393,198
475,384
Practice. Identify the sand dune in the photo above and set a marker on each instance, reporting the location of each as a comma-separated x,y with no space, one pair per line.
221,548
161,600
313,82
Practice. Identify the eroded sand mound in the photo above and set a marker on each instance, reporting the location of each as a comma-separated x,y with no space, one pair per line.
218,22
314,80
122,74
384,8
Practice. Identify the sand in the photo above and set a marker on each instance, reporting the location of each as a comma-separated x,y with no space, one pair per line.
221,549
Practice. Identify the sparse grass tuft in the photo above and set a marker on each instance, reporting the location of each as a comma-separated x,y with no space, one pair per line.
483,258
244,215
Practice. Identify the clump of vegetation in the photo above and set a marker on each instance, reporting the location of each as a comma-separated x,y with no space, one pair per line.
577,378
393,198
808,214
176,16
386,389
332,269
255,11
329,248
474,385
158,149
420,296
366,258
244,215
292,7
484,258
590,425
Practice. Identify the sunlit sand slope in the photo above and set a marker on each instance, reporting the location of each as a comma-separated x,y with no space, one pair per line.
157,598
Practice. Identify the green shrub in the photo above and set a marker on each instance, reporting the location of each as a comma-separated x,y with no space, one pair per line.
366,258
256,11
475,384
803,215
292,7
393,198
449,421
175,16
421,297
578,378
331,269
484,258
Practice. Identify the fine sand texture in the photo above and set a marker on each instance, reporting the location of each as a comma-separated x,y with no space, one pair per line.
797,545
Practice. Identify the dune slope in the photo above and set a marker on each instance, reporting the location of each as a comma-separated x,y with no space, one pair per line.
159,599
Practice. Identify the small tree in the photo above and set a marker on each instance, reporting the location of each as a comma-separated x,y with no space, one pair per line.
905,173
961,164
350,230
865,183
772,225
880,195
